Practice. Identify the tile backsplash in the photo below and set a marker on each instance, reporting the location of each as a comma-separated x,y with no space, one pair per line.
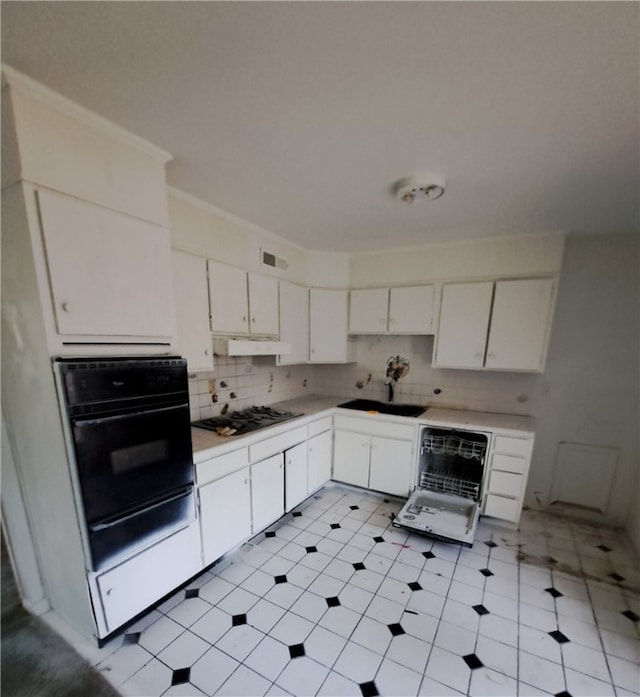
502,392
246,381
241,382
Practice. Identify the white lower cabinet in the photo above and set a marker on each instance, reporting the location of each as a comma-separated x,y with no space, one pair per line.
506,478
308,464
382,464
225,514
391,466
267,491
131,587
295,475
351,458
319,460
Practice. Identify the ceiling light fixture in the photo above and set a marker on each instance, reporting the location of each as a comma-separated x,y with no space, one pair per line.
430,187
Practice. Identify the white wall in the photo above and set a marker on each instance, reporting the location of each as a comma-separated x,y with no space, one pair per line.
589,391
204,230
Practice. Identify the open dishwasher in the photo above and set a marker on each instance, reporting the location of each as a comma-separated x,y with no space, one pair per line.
446,502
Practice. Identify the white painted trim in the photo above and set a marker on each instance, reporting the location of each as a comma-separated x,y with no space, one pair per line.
31,88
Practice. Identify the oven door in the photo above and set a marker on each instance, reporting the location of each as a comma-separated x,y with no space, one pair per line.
128,461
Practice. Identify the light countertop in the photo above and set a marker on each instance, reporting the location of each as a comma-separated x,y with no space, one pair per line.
314,405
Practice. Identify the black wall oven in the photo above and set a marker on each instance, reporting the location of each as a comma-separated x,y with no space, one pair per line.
130,433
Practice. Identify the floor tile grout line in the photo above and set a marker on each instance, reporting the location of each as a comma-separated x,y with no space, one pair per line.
595,619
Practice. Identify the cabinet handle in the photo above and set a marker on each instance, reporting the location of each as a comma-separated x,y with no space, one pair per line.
109,591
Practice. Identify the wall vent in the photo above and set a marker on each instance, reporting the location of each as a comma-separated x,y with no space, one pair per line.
272,261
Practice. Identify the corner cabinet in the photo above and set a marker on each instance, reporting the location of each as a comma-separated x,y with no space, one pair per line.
294,322
328,316
495,325
401,310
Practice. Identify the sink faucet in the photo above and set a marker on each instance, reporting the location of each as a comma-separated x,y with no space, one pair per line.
390,383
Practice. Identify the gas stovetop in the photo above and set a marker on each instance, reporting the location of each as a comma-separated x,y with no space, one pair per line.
239,422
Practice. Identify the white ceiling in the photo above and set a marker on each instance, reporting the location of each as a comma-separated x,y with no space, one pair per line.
299,116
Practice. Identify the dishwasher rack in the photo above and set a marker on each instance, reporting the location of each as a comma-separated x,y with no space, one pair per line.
446,502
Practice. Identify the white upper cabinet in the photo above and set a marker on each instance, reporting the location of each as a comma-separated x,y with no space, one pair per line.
402,310
242,303
228,298
263,304
294,322
520,324
368,310
192,310
411,310
501,325
109,274
328,340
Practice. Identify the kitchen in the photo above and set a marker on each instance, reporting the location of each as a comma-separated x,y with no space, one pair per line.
588,399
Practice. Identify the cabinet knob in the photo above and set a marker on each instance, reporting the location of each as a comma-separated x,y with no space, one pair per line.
65,306
206,352
244,318
491,355
391,320
479,355
109,591
253,320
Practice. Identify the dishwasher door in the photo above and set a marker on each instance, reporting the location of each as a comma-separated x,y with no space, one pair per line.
446,502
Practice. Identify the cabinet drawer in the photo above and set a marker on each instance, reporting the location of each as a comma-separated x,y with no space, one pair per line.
270,446
509,463
504,508
133,586
220,466
505,483
372,425
319,426
513,446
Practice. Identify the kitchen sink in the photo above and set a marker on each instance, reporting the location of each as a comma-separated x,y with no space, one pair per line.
384,407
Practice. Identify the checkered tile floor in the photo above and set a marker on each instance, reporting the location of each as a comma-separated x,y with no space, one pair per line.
333,600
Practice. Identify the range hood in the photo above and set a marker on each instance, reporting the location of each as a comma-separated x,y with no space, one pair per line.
250,347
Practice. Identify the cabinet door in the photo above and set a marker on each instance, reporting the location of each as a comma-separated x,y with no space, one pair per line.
267,491
225,514
392,466
411,310
464,321
229,300
368,311
520,324
319,460
295,475
263,304
328,310
294,322
110,274
351,458
192,310
132,586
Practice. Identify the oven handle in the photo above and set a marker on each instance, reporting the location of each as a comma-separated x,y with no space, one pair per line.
82,420
112,522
